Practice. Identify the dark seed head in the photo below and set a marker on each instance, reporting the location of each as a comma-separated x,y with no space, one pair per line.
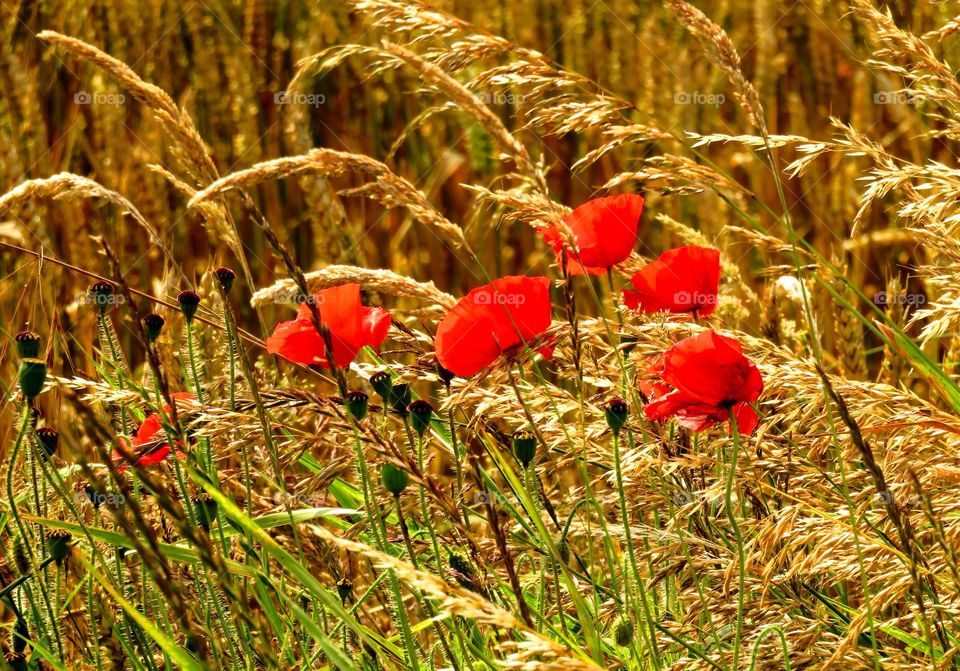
188,300
33,373
623,634
400,398
421,412
615,411
154,324
226,277
563,549
206,508
394,478
525,446
345,589
19,636
382,384
49,439
28,345
20,558
94,495
101,295
58,544
357,403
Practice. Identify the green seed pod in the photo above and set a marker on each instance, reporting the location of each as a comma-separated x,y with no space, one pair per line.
188,300
33,373
421,412
49,439
525,446
382,384
28,345
623,634
206,508
394,478
563,549
345,589
226,277
400,398
154,324
101,295
357,403
615,411
58,544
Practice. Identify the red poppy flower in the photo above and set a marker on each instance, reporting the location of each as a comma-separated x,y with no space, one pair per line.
603,230
149,435
708,376
685,279
490,320
351,324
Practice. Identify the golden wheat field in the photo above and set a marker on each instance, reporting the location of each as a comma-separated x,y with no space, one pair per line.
374,335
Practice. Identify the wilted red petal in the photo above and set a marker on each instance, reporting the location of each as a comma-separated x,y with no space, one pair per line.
490,320
352,326
685,279
603,230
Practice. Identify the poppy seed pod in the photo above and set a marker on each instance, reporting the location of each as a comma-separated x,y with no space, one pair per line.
382,384
28,345
394,478
154,324
421,412
33,373
188,300
58,544
623,634
206,511
525,446
49,439
226,277
400,398
345,589
615,410
101,295
357,403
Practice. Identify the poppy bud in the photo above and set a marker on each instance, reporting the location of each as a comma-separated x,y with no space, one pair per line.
33,373
154,324
445,376
50,439
225,277
382,384
101,295
420,414
525,446
58,544
188,300
394,479
623,634
28,344
460,564
400,398
206,511
357,402
15,661
345,589
615,411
